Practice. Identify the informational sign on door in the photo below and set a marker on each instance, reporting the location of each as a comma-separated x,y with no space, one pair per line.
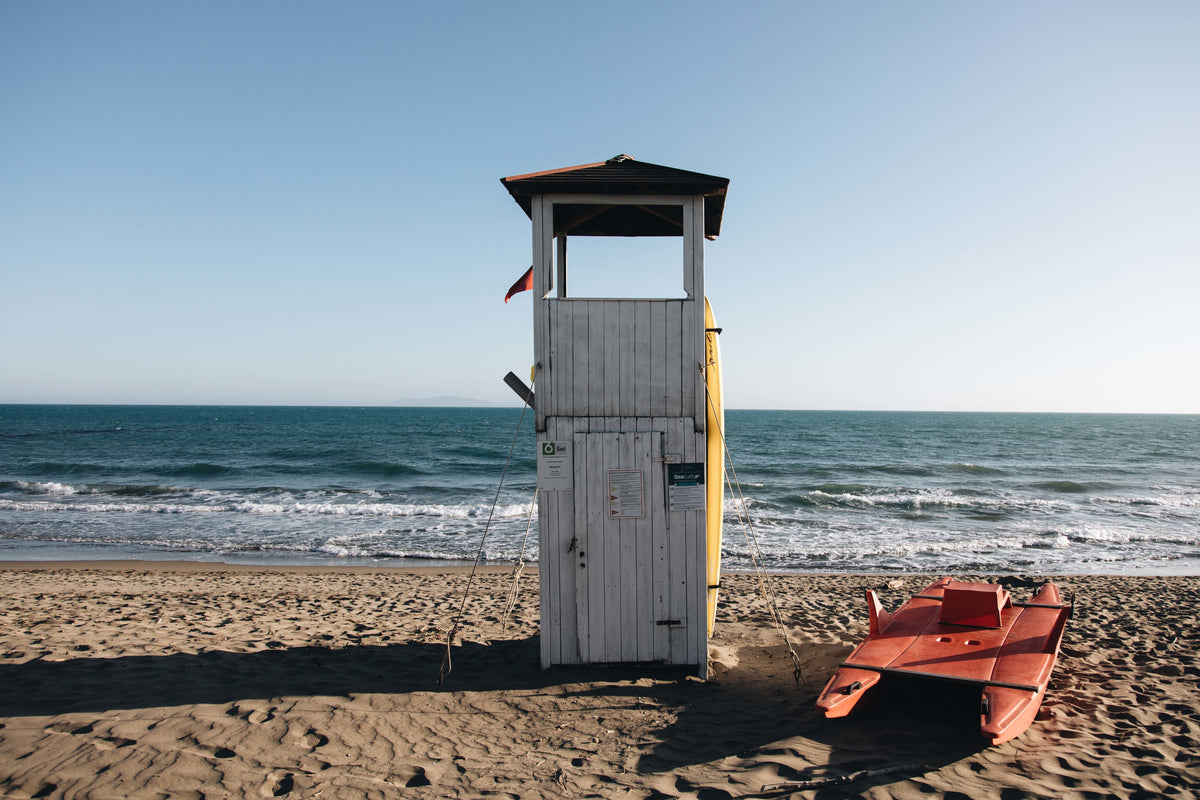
555,466
626,494
685,486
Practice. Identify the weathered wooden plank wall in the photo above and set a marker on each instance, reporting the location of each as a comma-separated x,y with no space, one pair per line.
612,581
620,358
619,379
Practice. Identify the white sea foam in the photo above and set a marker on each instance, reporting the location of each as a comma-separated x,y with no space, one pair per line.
471,511
46,487
1171,497
383,509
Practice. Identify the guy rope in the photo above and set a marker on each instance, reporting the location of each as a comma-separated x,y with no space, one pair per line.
519,566
765,587
447,661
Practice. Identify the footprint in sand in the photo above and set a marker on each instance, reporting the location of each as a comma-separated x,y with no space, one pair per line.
73,728
112,743
256,716
100,743
206,750
278,784
312,740
411,776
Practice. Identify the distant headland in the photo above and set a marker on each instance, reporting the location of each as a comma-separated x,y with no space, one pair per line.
448,401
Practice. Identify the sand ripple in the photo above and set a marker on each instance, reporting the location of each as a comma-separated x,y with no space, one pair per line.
198,682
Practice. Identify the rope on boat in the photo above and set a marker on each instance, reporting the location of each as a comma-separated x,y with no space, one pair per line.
447,661
765,587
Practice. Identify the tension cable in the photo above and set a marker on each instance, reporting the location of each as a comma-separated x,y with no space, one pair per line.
765,587
447,662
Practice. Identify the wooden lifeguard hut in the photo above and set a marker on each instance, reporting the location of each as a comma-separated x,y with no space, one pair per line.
626,422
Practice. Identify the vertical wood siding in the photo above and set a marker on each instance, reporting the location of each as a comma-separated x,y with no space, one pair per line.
620,358
609,582
619,379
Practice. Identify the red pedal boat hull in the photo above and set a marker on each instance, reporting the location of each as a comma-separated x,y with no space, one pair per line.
964,632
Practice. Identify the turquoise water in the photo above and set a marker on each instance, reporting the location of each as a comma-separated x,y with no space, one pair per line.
827,491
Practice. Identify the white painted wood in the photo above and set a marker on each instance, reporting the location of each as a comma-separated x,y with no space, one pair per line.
683,577
596,359
573,647
637,353
641,359
540,315
697,561
662,568
577,404
614,447
673,361
696,566
543,271
643,589
658,360
583,576
677,577
563,348
620,379
561,511
597,553
551,581
561,271
696,266
620,623
610,379
691,352
625,344
640,618
548,569
548,576
697,252
564,563
546,261
690,243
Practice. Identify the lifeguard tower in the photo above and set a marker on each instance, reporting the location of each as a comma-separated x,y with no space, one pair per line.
626,422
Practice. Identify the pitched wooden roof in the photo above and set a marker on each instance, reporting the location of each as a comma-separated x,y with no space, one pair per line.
621,175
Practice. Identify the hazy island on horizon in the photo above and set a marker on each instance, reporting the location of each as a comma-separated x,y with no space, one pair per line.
448,401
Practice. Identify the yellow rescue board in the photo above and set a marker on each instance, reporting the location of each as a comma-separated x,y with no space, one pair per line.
714,479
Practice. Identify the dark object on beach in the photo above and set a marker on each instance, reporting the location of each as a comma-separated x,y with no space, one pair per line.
838,780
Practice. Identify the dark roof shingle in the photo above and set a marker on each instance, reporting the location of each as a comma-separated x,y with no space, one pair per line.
622,175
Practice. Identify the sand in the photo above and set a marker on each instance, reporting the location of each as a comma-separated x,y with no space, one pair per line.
136,680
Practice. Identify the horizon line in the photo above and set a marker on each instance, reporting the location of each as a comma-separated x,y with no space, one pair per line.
516,406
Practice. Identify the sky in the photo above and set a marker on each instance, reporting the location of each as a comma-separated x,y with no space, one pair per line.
936,206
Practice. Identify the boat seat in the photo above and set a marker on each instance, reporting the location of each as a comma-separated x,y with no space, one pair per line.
974,605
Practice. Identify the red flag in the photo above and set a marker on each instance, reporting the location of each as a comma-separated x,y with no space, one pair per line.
523,284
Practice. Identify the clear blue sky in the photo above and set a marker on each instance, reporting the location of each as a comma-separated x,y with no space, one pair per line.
933,205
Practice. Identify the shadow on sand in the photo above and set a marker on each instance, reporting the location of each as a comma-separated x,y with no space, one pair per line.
751,716
47,688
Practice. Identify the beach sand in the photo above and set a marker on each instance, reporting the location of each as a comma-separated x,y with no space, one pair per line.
138,680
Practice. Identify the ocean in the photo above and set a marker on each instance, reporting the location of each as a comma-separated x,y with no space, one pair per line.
825,491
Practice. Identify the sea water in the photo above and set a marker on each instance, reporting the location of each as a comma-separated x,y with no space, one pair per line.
815,491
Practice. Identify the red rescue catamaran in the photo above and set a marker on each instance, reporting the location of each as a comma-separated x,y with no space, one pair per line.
966,632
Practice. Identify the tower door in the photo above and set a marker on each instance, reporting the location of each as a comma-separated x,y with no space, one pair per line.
625,592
